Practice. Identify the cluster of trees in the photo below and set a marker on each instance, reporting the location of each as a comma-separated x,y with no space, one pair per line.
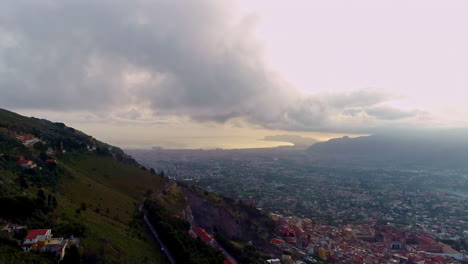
18,208
174,233
117,153
23,207
57,134
49,203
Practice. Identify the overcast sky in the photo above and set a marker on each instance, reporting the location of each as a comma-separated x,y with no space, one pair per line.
245,67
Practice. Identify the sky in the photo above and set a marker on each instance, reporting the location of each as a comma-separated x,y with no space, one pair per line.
140,73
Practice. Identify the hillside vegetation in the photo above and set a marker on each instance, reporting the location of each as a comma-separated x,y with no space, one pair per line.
55,177
92,191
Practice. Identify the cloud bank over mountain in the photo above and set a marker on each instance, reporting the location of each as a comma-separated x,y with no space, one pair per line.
145,60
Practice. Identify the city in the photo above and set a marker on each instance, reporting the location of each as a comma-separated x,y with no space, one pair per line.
338,200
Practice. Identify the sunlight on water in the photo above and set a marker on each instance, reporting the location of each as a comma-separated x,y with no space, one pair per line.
211,143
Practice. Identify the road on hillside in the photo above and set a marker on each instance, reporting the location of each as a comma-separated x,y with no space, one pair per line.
226,254
164,249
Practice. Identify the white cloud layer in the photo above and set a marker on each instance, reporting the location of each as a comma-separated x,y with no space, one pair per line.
151,61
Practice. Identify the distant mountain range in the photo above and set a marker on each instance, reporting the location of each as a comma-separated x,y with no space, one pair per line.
443,149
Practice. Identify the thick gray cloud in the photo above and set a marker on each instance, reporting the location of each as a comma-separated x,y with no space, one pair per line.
190,58
390,113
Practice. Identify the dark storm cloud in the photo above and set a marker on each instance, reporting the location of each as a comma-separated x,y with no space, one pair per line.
79,51
189,58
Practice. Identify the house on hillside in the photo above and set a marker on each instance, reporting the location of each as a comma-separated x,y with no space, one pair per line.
35,238
277,242
192,233
26,139
31,142
91,147
11,228
28,164
41,240
207,238
50,151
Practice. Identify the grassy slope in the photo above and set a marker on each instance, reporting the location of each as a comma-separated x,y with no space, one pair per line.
9,254
116,189
111,191
173,199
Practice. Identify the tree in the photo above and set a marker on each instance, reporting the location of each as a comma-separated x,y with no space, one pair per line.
41,195
40,147
53,202
22,182
148,193
49,200
43,156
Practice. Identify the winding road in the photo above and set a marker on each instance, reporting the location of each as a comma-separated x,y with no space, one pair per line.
164,249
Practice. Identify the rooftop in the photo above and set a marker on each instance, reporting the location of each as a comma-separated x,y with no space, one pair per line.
34,233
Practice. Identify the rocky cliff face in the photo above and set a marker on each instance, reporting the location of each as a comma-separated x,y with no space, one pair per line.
214,218
231,220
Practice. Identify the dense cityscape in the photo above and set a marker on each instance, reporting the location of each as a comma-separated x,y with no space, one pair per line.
334,203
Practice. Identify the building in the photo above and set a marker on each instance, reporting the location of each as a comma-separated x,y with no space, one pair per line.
35,238
428,245
10,228
277,242
323,253
55,245
26,163
31,142
449,252
207,238
41,240
50,151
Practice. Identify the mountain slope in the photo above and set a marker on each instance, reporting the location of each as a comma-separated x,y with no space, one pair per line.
446,149
55,177
97,189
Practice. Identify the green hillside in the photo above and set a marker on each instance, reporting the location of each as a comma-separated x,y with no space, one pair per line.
55,177
92,191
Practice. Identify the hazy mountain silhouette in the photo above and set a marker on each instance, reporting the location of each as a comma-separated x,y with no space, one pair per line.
443,149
